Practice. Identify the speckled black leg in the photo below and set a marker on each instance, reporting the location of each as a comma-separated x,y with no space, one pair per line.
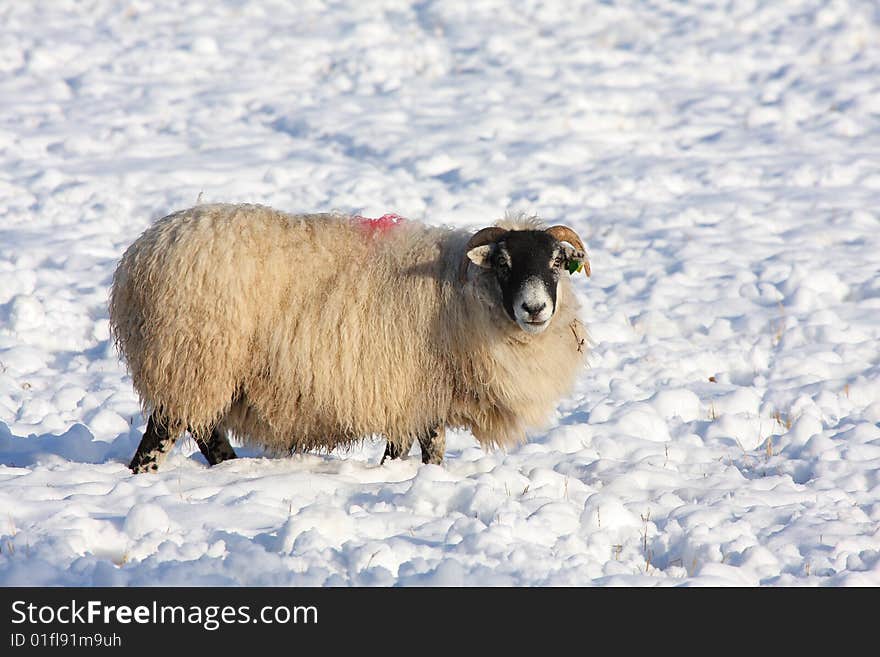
433,445
153,449
217,448
395,451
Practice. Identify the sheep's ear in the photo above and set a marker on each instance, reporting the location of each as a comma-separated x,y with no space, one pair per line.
481,256
573,253
577,260
572,245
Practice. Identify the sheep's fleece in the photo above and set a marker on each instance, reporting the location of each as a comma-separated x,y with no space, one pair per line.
300,332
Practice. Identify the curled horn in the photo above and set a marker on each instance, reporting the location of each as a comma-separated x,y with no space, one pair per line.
480,238
566,234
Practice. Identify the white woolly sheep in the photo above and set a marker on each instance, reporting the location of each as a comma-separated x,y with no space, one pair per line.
299,332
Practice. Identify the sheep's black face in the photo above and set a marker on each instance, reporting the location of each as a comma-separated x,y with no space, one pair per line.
527,265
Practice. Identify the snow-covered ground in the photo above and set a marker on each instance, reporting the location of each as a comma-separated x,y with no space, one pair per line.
722,162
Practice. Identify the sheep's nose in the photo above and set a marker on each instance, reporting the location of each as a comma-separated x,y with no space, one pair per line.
535,309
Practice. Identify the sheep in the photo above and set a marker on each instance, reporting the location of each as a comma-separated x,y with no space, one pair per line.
304,332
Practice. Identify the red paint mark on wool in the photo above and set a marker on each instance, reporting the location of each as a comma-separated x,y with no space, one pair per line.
381,224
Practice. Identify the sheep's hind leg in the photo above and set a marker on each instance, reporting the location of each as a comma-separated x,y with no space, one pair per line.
433,444
396,451
217,448
154,447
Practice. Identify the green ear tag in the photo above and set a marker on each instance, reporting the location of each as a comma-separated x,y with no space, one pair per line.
574,266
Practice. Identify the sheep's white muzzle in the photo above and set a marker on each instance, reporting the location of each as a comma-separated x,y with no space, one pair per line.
533,307
533,327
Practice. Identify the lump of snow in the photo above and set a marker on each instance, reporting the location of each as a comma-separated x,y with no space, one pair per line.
804,428
68,397
448,573
23,360
26,313
204,45
740,400
436,165
653,322
145,518
16,281
318,524
642,420
606,512
107,424
679,403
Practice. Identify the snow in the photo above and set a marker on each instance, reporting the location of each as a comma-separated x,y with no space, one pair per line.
719,160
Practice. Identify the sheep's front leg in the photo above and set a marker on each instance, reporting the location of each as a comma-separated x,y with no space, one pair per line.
216,448
397,450
154,447
433,444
